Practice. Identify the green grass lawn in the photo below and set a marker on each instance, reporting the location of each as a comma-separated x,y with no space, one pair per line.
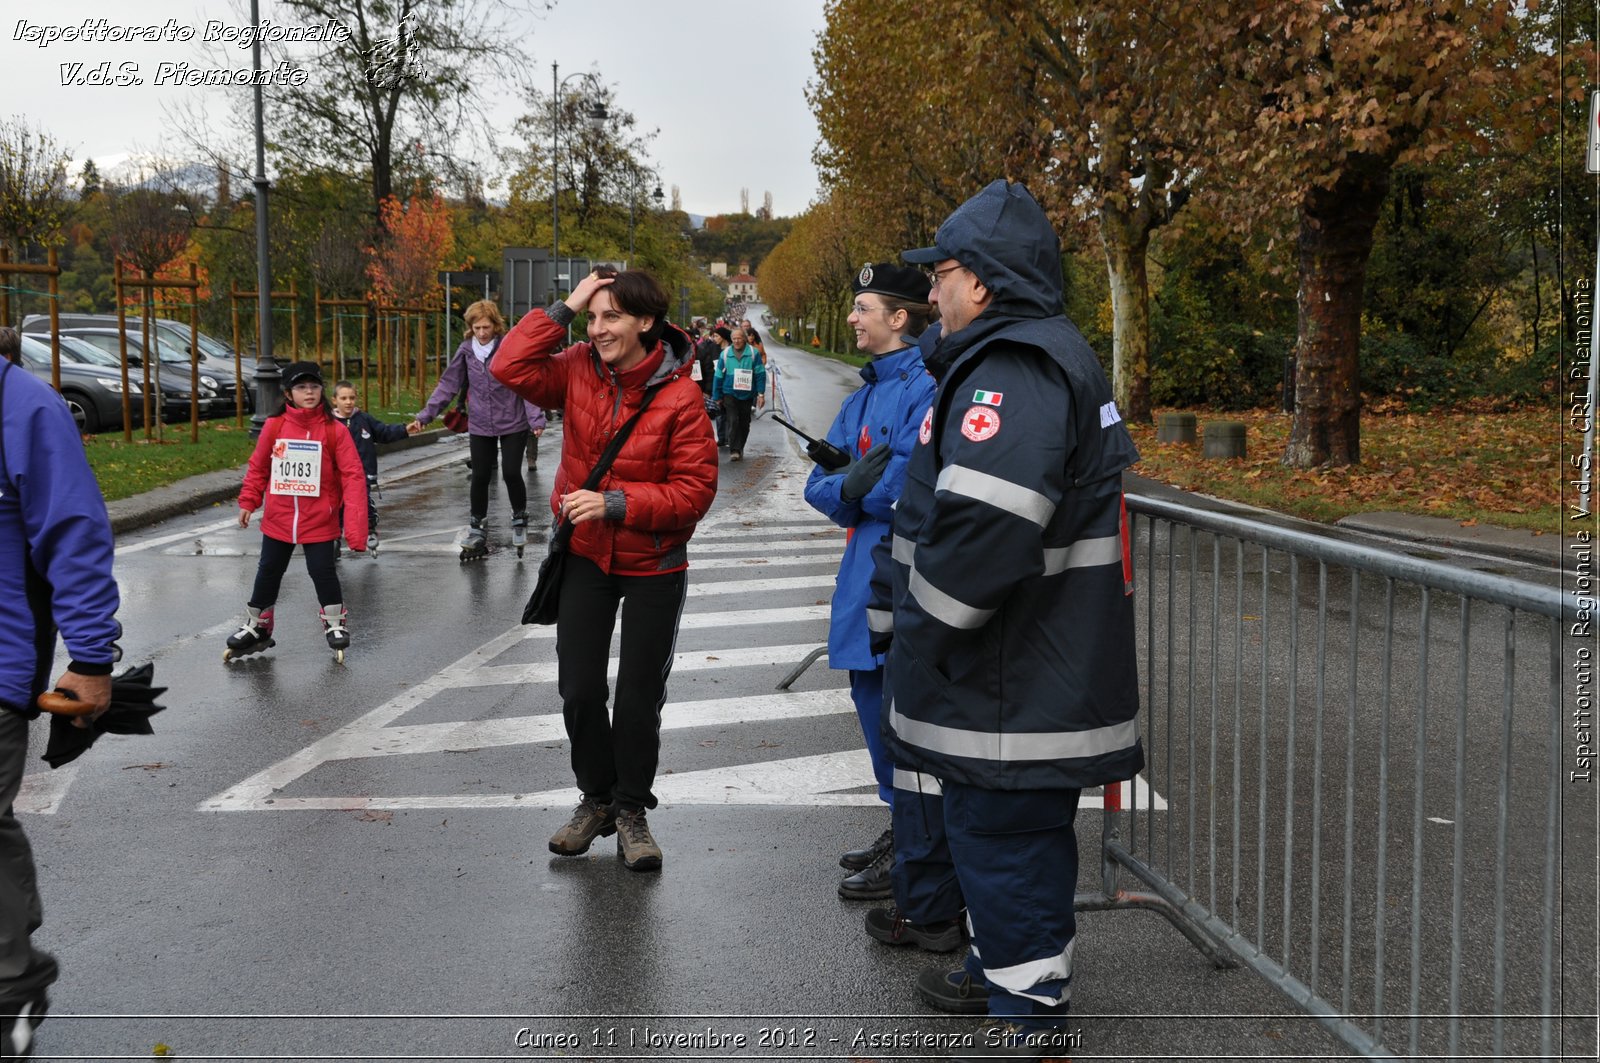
127,469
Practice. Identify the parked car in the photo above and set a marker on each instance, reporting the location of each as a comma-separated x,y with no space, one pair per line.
173,376
214,353
92,392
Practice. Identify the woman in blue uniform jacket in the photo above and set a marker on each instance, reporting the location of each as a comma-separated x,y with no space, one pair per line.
878,427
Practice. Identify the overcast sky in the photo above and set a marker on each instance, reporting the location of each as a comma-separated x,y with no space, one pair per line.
723,80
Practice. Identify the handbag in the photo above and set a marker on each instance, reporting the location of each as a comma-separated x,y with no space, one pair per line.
455,418
546,597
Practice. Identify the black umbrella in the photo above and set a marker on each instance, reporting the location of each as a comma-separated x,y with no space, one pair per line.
133,702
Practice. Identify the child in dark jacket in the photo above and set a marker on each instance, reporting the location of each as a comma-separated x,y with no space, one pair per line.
368,432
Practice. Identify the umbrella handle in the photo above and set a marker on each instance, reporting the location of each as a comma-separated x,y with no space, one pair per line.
61,703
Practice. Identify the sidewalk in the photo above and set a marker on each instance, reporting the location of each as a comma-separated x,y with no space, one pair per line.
209,489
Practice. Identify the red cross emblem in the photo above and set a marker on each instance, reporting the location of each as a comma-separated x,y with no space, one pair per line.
980,423
925,433
864,441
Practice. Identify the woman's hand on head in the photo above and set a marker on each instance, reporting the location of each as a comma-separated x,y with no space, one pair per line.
579,299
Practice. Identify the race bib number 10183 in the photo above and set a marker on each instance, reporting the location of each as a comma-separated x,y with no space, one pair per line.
297,468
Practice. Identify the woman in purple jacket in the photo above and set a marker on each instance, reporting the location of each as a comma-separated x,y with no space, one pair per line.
497,418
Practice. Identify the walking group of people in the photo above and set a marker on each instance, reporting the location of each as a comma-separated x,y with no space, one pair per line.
731,369
982,605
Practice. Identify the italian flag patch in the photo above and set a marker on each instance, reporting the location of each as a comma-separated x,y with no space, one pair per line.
988,398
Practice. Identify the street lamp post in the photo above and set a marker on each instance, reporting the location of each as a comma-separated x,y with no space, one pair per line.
267,375
597,121
632,198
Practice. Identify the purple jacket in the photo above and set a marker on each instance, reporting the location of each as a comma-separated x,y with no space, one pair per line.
492,408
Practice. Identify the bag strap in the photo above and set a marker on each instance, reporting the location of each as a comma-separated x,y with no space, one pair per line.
563,532
5,368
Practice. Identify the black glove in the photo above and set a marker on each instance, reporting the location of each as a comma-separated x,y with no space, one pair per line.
865,473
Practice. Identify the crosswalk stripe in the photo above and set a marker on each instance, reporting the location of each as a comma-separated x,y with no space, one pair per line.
468,735
757,535
731,618
690,661
833,544
760,586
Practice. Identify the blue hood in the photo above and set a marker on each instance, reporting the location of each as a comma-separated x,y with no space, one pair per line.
1003,236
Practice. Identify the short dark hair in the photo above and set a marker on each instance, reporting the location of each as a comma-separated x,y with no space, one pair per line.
10,344
343,384
640,294
725,332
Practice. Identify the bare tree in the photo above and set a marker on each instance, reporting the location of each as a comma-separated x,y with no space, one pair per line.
33,187
412,73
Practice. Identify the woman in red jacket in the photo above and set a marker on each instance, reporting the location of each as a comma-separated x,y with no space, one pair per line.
306,469
630,538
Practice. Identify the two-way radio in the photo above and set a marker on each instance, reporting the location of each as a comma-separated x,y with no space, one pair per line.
824,453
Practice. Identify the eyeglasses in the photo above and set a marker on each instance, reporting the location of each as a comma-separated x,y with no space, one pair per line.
862,308
936,275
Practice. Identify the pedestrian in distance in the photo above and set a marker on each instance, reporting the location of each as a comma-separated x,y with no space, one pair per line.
1006,601
305,476
55,577
724,337
740,389
497,421
630,536
877,426
366,431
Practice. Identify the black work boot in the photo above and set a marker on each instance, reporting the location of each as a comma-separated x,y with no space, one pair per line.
953,991
871,883
889,926
859,859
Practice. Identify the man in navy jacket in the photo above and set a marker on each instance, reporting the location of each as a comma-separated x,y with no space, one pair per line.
55,573
1006,591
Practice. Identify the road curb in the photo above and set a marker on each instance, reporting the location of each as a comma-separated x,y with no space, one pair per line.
210,489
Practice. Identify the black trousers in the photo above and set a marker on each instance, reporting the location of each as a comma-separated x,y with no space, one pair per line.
614,758
320,562
24,970
739,422
511,447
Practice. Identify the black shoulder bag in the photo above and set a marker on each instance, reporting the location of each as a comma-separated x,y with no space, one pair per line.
546,597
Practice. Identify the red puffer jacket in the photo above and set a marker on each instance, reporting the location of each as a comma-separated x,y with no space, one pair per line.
298,519
667,470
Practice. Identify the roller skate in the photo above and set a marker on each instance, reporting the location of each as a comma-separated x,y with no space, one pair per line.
333,626
475,547
372,544
253,637
519,531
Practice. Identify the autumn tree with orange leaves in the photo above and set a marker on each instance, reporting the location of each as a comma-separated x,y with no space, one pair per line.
1338,95
417,241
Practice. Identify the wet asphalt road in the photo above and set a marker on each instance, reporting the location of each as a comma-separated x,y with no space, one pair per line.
314,860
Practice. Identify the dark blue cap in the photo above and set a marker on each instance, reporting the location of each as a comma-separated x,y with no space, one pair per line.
898,282
1003,236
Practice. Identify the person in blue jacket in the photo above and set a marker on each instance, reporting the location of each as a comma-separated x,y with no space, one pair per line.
1004,600
877,426
741,383
55,575
368,432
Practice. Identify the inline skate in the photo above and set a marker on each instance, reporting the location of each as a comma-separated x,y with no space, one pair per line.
519,531
333,626
475,546
254,637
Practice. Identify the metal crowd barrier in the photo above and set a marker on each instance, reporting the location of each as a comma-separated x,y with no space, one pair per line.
1356,784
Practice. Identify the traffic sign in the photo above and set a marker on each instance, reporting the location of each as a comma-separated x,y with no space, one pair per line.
1593,158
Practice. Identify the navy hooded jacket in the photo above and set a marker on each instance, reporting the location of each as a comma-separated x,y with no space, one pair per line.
1006,585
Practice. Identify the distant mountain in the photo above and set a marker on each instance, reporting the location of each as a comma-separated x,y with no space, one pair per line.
194,179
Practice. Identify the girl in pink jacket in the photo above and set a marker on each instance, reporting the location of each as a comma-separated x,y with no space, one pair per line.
306,470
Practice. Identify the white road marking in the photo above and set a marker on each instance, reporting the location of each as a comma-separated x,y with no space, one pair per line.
43,791
755,536
689,661
761,586
821,546
734,618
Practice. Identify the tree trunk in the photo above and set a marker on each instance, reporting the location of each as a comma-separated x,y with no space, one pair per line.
1336,227
1127,244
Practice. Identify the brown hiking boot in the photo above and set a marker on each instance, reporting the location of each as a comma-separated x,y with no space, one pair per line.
637,848
589,821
